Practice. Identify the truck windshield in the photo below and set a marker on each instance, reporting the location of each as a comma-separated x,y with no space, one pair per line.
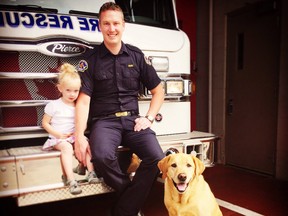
157,13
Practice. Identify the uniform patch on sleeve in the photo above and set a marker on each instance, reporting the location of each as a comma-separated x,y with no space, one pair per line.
82,66
148,60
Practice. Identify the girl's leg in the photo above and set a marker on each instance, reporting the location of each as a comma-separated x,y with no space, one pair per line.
66,158
66,162
90,166
92,177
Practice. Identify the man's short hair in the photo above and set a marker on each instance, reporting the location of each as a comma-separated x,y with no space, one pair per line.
110,6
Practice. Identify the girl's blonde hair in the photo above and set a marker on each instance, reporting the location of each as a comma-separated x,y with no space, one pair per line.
66,73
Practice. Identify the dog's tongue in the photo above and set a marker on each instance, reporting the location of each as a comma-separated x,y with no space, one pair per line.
181,187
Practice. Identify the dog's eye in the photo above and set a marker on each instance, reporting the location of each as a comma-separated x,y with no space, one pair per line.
174,165
189,165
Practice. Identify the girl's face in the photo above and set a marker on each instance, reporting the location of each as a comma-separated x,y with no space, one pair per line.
69,90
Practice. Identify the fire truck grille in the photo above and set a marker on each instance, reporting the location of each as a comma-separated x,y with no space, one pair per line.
23,88
22,116
28,89
32,62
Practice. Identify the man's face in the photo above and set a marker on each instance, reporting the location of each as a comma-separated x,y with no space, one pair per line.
112,26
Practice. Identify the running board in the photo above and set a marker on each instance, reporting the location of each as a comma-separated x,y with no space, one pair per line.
61,193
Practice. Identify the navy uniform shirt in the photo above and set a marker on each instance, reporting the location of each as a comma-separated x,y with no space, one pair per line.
113,81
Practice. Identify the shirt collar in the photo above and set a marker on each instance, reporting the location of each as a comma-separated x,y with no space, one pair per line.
104,51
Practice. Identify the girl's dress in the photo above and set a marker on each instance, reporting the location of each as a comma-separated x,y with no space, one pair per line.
62,120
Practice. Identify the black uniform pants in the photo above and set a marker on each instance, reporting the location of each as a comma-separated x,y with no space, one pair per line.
106,135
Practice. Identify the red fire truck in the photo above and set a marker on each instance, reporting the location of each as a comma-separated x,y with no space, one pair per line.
36,37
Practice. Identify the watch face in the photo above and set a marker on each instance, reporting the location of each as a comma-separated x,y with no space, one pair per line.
150,118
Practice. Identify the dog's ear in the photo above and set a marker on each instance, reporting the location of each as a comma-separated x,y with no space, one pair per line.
162,165
199,165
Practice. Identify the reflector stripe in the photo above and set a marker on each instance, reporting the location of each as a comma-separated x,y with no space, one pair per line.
237,209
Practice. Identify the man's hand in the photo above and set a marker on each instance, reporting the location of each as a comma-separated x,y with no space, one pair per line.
142,123
81,146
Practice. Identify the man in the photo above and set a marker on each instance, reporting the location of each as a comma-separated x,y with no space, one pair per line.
111,77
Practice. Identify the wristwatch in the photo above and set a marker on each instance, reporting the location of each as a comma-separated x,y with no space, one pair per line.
150,118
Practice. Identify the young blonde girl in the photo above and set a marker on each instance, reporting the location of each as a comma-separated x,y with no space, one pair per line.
59,122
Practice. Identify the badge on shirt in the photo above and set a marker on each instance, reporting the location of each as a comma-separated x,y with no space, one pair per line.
82,66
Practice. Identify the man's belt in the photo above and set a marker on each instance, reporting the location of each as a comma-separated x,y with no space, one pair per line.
120,114
117,114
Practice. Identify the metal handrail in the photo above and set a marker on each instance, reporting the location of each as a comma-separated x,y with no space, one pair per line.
27,75
26,103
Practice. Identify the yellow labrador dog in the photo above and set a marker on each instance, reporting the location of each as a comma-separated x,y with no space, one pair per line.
186,192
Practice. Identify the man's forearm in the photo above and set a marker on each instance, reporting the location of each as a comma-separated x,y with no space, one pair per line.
81,115
156,101
81,118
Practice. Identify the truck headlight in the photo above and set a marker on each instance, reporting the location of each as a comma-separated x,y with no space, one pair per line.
174,87
161,64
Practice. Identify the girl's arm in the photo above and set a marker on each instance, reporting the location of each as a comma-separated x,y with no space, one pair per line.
47,126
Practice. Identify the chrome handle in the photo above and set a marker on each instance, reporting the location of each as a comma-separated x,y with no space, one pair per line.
28,103
28,75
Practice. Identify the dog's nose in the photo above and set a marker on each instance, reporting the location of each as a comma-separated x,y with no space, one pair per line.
182,177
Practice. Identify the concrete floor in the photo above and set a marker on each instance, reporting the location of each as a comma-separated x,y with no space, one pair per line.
238,192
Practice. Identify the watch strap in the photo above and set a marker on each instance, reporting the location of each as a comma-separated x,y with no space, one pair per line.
150,118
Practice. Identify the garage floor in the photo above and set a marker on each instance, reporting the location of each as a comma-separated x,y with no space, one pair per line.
238,192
